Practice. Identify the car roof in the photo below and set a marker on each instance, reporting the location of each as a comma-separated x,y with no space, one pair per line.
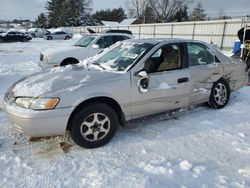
118,31
160,40
110,34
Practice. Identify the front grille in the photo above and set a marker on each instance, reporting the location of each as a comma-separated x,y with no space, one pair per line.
41,57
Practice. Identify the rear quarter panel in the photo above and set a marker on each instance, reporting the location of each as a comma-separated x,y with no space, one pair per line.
233,70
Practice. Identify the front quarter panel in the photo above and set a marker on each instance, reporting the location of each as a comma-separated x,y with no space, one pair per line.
117,89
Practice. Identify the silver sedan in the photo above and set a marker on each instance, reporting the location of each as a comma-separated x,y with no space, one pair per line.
132,79
58,35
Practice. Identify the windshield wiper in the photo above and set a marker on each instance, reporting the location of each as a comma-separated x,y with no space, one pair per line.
99,65
78,45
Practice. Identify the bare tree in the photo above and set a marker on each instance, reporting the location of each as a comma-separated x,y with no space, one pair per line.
221,13
164,10
136,7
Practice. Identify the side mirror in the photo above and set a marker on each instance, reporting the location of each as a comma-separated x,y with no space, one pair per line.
142,74
143,81
95,46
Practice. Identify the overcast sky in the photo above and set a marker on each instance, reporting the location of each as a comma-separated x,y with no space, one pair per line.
29,9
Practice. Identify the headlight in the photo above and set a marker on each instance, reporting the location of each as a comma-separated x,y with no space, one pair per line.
46,57
37,103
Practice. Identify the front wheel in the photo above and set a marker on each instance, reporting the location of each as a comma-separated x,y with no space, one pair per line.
220,94
94,126
24,39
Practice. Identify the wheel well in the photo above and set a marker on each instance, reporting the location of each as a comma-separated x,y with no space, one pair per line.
227,81
106,100
70,59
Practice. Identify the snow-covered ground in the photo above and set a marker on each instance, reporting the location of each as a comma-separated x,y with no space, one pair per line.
193,147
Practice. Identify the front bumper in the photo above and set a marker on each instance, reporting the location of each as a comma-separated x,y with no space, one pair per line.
44,65
38,123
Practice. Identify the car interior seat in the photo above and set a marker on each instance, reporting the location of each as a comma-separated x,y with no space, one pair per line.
171,59
149,66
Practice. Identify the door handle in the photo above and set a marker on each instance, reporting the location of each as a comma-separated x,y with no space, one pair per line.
182,80
216,73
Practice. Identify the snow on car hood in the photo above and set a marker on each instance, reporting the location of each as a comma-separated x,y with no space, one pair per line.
63,50
60,80
3,34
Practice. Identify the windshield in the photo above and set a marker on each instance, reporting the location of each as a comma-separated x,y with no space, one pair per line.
121,56
85,41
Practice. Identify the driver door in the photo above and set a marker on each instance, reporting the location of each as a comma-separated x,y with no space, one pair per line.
162,84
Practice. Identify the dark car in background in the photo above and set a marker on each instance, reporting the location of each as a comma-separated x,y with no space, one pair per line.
14,36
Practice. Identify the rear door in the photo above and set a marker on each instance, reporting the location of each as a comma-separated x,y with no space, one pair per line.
168,82
57,35
205,69
120,38
105,41
11,36
19,36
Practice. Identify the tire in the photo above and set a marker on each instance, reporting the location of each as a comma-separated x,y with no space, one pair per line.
69,62
49,38
220,94
1,40
67,38
94,125
24,40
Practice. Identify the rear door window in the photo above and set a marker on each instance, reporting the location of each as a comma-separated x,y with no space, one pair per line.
199,54
120,38
105,41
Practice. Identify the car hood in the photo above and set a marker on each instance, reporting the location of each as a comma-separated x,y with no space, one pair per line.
60,80
63,50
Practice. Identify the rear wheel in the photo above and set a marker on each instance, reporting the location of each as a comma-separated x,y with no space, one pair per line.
67,38
220,94
94,125
1,40
49,38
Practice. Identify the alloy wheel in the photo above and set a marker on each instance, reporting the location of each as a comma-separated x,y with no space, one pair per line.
95,127
220,94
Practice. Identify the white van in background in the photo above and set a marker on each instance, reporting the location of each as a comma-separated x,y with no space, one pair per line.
37,32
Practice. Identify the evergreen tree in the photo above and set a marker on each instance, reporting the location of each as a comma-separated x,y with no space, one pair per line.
55,11
181,15
41,21
149,15
116,14
198,13
66,12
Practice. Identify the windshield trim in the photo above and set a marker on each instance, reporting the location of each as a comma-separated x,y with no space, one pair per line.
141,56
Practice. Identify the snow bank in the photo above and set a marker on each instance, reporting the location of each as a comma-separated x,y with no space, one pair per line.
192,147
